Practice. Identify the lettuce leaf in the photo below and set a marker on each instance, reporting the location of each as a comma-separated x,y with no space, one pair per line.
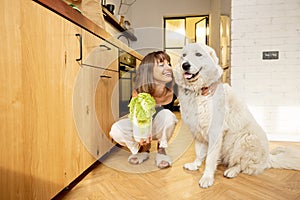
142,108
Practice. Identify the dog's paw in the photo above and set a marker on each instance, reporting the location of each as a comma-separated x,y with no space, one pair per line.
192,166
232,172
206,181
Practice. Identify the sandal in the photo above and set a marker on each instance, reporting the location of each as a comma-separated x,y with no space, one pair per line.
163,161
138,158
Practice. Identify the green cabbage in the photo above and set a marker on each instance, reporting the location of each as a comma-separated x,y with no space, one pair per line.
142,108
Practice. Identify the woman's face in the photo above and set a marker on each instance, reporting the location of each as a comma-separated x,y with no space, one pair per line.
162,72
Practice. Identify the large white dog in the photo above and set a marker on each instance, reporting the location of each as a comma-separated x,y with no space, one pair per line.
224,129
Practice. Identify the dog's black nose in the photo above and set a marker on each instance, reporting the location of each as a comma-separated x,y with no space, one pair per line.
186,66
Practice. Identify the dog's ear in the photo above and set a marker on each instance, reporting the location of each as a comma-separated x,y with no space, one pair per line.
212,54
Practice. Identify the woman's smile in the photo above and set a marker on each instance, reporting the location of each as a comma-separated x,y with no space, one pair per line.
162,72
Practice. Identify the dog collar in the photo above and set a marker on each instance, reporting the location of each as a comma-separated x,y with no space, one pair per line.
210,90
204,91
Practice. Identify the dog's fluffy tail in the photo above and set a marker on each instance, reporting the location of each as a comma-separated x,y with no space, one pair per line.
285,157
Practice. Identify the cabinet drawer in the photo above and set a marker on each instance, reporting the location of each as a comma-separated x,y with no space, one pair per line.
103,55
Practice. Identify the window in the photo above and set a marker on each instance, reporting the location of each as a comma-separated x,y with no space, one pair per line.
182,30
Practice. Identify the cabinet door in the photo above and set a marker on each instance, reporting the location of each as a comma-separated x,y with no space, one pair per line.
84,109
93,99
76,158
107,94
107,100
52,145
41,151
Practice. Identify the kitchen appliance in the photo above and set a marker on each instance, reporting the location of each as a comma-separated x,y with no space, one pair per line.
127,67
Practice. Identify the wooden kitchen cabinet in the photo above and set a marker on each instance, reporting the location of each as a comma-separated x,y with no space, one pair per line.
41,148
93,99
108,110
77,157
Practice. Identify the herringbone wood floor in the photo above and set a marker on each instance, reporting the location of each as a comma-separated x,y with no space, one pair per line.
176,183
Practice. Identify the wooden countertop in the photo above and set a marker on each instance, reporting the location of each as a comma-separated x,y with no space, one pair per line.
66,11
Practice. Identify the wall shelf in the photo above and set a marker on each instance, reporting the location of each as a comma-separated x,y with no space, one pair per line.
110,18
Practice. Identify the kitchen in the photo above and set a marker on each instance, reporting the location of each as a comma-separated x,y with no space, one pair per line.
41,117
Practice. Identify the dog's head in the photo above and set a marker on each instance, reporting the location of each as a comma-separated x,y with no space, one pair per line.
198,66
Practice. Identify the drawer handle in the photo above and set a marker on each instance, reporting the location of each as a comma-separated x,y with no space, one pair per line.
103,45
80,43
105,76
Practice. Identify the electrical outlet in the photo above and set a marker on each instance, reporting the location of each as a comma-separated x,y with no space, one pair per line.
270,55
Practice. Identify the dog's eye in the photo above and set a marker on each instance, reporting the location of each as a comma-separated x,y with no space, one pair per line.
184,55
198,54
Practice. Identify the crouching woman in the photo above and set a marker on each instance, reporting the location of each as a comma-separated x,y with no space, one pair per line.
154,76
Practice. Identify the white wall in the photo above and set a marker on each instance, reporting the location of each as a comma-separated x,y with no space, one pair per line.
270,87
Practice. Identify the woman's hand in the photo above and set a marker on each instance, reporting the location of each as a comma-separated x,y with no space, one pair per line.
144,142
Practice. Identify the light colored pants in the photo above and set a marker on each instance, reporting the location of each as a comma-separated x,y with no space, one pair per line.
163,126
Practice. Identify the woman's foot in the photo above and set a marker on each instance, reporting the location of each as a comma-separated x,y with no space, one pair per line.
162,159
138,158
141,156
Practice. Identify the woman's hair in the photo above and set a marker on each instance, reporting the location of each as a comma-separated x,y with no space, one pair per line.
144,81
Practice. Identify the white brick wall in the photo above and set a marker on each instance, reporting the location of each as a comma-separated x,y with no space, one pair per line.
271,88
